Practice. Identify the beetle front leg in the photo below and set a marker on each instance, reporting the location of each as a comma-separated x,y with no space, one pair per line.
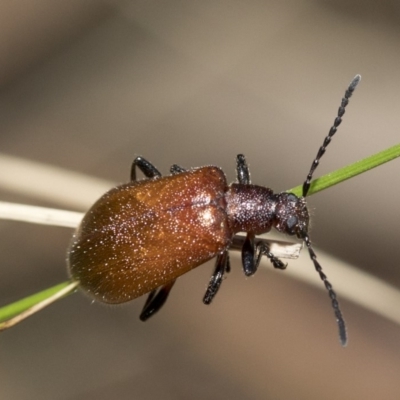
263,250
148,169
155,301
252,253
222,265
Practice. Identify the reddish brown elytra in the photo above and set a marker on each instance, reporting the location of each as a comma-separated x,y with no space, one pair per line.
140,237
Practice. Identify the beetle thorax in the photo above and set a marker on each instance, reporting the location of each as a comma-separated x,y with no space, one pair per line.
250,208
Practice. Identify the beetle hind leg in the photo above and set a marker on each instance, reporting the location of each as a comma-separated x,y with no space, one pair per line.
222,265
156,300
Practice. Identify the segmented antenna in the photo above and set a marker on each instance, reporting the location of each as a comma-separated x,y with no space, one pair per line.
306,187
332,131
335,304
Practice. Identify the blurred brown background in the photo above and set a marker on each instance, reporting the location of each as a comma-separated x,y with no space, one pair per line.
87,85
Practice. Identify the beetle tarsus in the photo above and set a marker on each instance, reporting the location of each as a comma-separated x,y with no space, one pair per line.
252,253
263,250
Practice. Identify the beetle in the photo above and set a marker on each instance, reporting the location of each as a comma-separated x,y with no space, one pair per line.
141,236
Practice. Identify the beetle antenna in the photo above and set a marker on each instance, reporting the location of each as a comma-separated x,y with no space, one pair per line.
332,131
335,304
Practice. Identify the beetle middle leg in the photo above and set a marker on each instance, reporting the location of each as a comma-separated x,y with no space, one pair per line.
222,265
242,170
252,253
148,169
156,300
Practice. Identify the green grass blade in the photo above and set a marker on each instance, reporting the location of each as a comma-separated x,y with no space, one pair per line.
342,174
22,306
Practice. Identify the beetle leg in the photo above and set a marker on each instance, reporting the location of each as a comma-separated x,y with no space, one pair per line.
222,264
242,170
148,169
228,265
263,250
150,297
176,169
252,253
155,301
249,260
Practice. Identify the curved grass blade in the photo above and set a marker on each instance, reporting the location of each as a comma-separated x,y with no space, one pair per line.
342,174
14,313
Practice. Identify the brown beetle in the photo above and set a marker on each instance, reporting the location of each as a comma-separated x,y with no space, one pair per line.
141,236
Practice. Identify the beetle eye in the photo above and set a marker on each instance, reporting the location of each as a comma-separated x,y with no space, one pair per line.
291,222
291,197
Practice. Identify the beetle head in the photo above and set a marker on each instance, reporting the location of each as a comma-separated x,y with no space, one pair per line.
291,214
